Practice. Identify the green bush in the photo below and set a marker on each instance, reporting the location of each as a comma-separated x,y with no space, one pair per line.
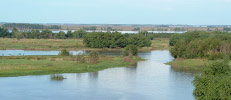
64,52
114,40
211,45
130,50
214,83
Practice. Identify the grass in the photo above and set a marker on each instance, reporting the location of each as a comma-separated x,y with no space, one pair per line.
69,44
43,65
40,44
190,65
157,44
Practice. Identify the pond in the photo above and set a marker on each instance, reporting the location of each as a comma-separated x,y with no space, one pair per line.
148,80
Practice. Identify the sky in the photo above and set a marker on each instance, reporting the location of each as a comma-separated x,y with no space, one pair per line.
190,12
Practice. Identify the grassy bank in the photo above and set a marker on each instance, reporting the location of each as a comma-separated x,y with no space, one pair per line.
189,65
42,65
157,44
69,44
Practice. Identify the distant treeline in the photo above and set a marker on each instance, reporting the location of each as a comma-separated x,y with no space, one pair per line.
37,34
156,35
115,39
197,44
22,26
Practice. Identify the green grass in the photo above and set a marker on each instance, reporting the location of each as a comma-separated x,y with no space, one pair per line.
69,44
40,44
42,65
189,65
157,44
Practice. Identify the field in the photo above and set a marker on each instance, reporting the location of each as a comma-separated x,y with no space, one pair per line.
40,44
69,44
40,65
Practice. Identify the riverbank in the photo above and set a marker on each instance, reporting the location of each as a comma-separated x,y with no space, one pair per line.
69,44
43,65
190,65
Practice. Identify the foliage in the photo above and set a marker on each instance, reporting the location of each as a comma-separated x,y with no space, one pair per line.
4,32
30,26
64,52
114,39
57,77
212,45
60,35
130,50
79,34
214,83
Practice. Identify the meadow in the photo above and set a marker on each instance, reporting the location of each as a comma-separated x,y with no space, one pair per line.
42,65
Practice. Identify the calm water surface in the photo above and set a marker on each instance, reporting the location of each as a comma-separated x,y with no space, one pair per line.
149,80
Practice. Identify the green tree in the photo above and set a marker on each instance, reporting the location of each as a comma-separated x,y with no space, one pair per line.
4,32
69,34
14,32
64,52
214,83
130,50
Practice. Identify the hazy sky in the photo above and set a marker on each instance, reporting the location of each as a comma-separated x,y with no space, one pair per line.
192,12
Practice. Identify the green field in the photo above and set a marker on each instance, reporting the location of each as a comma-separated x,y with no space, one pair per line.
69,44
40,65
40,44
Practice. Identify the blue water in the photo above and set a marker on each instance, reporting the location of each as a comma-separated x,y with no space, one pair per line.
148,80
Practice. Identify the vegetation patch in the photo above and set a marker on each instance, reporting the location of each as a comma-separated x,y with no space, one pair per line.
42,65
214,82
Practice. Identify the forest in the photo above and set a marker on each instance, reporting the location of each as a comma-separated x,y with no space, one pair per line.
115,39
200,44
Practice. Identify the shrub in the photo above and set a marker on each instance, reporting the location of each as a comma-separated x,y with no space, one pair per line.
64,52
130,50
212,45
214,83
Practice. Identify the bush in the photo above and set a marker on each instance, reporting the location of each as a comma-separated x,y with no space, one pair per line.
64,52
212,45
114,40
131,50
214,83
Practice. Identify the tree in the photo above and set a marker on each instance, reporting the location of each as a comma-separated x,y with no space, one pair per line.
79,34
60,35
214,83
64,52
4,32
69,34
139,40
130,50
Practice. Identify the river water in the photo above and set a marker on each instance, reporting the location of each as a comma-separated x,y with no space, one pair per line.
148,80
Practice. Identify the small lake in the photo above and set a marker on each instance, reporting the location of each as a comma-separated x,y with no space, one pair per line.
148,80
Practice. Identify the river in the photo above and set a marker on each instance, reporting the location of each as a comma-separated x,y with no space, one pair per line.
148,80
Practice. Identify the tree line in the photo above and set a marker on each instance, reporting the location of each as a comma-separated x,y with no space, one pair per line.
114,40
152,35
22,26
40,34
211,45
